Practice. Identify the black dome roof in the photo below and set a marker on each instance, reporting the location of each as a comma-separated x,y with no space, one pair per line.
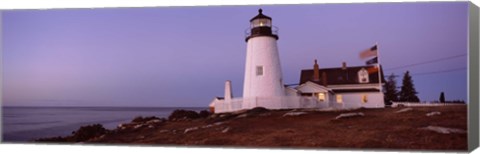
260,16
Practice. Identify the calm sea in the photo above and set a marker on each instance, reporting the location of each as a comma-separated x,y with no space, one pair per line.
20,124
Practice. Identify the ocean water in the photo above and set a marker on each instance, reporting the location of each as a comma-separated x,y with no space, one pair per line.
23,124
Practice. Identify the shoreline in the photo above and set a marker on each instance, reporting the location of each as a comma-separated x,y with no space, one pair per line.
24,124
386,128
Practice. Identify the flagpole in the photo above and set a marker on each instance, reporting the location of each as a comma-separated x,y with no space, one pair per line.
379,69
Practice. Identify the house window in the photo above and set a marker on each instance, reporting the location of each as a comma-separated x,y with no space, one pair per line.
259,70
363,76
306,94
364,99
321,97
339,99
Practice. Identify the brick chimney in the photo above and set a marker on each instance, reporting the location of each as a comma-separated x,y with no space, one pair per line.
316,72
324,79
344,65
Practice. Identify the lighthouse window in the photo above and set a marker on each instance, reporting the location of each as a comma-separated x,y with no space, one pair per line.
259,70
261,22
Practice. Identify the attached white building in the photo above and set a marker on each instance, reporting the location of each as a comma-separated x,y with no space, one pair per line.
343,87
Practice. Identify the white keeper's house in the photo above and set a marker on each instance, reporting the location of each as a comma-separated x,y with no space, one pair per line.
339,88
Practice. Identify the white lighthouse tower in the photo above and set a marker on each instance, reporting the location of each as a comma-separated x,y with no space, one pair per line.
263,74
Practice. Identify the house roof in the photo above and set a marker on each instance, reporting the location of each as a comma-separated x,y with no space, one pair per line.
313,85
355,90
340,76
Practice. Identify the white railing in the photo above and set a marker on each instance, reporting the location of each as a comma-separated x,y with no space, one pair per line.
294,102
248,31
413,104
281,102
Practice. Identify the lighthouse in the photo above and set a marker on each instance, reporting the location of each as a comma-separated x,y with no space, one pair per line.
263,74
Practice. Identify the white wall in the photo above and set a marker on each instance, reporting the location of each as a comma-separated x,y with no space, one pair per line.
262,51
290,91
350,101
354,100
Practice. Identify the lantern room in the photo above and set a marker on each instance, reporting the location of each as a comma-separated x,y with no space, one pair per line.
261,25
260,20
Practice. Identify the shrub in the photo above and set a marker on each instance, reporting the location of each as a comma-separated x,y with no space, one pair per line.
183,114
204,114
87,132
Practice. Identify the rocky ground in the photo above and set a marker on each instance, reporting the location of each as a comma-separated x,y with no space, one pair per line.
419,128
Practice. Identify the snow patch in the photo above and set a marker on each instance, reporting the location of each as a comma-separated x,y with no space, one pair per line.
226,130
347,115
211,125
137,126
154,121
444,130
404,110
242,115
294,113
433,113
190,129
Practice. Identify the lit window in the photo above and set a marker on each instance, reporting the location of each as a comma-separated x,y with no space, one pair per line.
261,23
364,99
321,97
259,70
339,99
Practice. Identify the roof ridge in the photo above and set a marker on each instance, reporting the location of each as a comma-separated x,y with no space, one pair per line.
366,66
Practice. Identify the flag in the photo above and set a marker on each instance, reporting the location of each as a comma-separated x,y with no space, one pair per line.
372,70
369,52
372,61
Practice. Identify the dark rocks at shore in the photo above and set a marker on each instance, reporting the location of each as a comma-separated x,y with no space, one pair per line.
52,139
140,122
187,115
238,114
204,114
87,132
96,131
141,119
84,133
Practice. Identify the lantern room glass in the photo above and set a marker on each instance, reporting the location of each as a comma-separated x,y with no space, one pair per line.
262,22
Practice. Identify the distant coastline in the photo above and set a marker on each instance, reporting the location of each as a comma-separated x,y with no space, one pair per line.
26,123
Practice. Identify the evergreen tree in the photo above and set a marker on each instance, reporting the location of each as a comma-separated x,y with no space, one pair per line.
442,97
408,92
391,93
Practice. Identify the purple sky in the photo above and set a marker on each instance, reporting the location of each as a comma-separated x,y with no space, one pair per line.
181,56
